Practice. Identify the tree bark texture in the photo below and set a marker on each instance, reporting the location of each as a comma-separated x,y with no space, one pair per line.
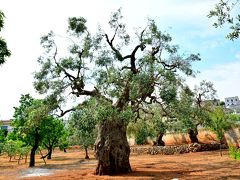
160,142
86,153
111,149
49,156
33,151
193,135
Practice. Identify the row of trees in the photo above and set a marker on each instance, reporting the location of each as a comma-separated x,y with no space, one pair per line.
34,126
193,109
46,131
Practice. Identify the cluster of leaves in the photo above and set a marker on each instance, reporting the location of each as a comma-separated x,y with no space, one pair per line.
83,122
220,121
15,148
33,123
98,62
225,14
141,130
4,51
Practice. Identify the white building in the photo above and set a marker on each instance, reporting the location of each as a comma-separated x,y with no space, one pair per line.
233,103
5,124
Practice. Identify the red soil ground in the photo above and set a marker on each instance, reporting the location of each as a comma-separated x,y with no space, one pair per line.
71,165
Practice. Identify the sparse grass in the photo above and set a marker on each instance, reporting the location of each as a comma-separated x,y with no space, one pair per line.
234,152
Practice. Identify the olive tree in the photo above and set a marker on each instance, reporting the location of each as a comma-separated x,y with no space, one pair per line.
220,122
53,130
29,121
123,72
193,107
84,123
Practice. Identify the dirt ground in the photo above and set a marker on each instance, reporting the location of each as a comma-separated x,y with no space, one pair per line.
71,165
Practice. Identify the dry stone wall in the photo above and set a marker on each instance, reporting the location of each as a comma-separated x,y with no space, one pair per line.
177,149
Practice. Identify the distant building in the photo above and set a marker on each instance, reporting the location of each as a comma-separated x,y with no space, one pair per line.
6,125
233,103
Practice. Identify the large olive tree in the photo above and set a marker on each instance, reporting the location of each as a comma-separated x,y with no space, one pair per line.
123,72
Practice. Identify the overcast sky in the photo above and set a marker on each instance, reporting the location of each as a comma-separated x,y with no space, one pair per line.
27,20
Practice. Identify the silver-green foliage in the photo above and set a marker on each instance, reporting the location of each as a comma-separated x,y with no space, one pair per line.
227,12
84,124
113,66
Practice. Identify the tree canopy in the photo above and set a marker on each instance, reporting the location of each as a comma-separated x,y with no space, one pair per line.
96,65
124,72
4,51
35,125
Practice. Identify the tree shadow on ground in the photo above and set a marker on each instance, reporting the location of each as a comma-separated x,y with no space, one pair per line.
79,164
178,174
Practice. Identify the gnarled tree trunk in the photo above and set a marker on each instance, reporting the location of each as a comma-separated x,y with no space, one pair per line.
159,141
193,135
112,149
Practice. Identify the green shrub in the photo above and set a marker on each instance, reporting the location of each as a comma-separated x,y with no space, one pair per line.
234,152
12,148
141,130
142,135
1,148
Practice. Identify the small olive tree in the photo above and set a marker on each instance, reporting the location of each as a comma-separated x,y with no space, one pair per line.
220,122
84,123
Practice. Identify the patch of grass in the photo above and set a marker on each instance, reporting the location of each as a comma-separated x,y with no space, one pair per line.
234,152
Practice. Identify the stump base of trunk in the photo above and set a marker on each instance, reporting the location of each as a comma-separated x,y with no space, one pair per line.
193,136
112,149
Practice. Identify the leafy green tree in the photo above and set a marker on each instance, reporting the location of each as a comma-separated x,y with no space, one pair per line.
12,148
52,130
84,123
4,51
65,139
123,72
3,134
161,125
226,12
85,129
193,108
28,120
220,122
140,130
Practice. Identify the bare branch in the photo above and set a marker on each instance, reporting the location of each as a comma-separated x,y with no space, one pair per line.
114,35
71,77
62,113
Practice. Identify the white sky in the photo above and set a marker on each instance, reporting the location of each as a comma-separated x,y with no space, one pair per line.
27,20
